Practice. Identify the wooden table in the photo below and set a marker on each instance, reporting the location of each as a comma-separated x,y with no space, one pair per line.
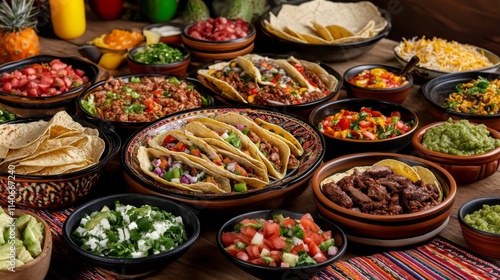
203,261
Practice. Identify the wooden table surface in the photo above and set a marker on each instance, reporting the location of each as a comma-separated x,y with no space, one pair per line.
203,260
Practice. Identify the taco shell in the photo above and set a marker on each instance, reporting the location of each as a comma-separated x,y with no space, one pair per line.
292,142
145,155
223,87
327,78
235,119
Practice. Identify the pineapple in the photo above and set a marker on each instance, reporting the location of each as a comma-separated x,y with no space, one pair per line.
18,39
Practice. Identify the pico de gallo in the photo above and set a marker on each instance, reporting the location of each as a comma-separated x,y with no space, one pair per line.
377,78
42,79
367,124
280,242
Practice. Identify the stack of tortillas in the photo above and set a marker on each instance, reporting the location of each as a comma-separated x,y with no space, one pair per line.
326,22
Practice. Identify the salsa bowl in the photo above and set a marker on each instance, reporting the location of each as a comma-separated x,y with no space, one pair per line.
272,194
407,227
151,65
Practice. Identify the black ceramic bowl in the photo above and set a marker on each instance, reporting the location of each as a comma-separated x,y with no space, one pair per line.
26,106
132,266
480,241
302,110
437,90
126,128
397,95
58,191
324,52
267,272
337,146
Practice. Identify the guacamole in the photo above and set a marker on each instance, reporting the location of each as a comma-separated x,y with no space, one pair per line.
460,138
486,218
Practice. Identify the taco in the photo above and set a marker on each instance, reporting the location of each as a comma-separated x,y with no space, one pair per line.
179,172
218,160
274,152
313,73
226,137
292,142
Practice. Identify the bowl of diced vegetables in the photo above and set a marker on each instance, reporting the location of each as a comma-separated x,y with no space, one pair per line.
131,235
32,239
159,58
279,244
6,116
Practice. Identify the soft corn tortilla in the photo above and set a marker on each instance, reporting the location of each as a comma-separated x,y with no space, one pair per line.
235,119
210,155
327,78
285,136
146,155
224,88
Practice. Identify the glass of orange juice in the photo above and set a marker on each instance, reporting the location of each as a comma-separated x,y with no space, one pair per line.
68,18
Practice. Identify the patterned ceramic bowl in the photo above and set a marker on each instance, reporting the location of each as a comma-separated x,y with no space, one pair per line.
58,191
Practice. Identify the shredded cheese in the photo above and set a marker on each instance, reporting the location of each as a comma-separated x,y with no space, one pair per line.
442,55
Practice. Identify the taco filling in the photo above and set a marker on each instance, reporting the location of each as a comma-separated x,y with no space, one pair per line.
173,144
232,166
313,79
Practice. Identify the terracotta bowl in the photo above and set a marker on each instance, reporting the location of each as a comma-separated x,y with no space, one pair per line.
337,146
59,191
437,90
268,272
170,32
132,268
481,242
384,227
274,195
125,129
26,106
397,95
209,56
463,168
178,68
37,268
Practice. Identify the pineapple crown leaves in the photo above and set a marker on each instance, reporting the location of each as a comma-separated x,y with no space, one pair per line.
19,15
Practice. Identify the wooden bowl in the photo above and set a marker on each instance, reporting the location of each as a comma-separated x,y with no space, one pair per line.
462,168
37,268
481,242
437,90
383,227
178,68
397,95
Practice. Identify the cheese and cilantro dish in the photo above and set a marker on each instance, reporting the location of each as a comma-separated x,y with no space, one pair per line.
442,55
129,231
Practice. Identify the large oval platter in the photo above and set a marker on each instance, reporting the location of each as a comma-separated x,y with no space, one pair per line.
276,193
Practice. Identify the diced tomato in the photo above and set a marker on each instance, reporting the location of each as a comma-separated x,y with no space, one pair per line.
368,135
320,257
376,113
298,248
396,114
240,170
7,87
242,256
229,238
313,249
308,223
243,238
253,251
278,242
28,71
169,139
366,110
80,72
344,123
32,92
288,222
196,152
231,249
275,255
327,235
364,124
271,229
180,147
314,237
248,231
259,261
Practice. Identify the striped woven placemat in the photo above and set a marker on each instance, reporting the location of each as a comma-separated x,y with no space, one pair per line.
437,259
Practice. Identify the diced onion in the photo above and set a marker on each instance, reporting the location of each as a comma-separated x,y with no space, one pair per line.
231,166
192,179
224,135
185,180
332,250
158,171
156,162
297,241
240,126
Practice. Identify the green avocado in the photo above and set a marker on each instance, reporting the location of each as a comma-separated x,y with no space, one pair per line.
23,221
23,254
32,238
4,251
194,11
97,218
5,222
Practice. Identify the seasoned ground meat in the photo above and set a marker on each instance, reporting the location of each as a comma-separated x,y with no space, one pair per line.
381,192
142,100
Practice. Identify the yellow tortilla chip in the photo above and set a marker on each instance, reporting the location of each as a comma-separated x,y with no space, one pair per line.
338,32
281,34
306,37
322,31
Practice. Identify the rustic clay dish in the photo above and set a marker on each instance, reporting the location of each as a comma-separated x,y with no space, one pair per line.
337,146
274,195
397,95
302,110
171,37
481,242
463,168
59,191
209,56
37,268
437,90
178,68
218,46
123,268
384,227
26,106
323,52
268,272
126,128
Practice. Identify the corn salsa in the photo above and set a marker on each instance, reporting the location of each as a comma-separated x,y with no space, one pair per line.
479,96
377,78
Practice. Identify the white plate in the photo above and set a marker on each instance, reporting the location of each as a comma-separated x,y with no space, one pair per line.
398,242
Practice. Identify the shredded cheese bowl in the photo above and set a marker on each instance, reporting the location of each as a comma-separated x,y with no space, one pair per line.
439,56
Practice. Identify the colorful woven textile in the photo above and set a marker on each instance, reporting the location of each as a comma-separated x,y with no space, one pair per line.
438,259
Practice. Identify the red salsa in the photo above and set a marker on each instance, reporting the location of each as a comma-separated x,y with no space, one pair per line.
377,78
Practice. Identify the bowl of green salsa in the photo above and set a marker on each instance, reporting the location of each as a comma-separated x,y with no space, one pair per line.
479,220
159,58
469,151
